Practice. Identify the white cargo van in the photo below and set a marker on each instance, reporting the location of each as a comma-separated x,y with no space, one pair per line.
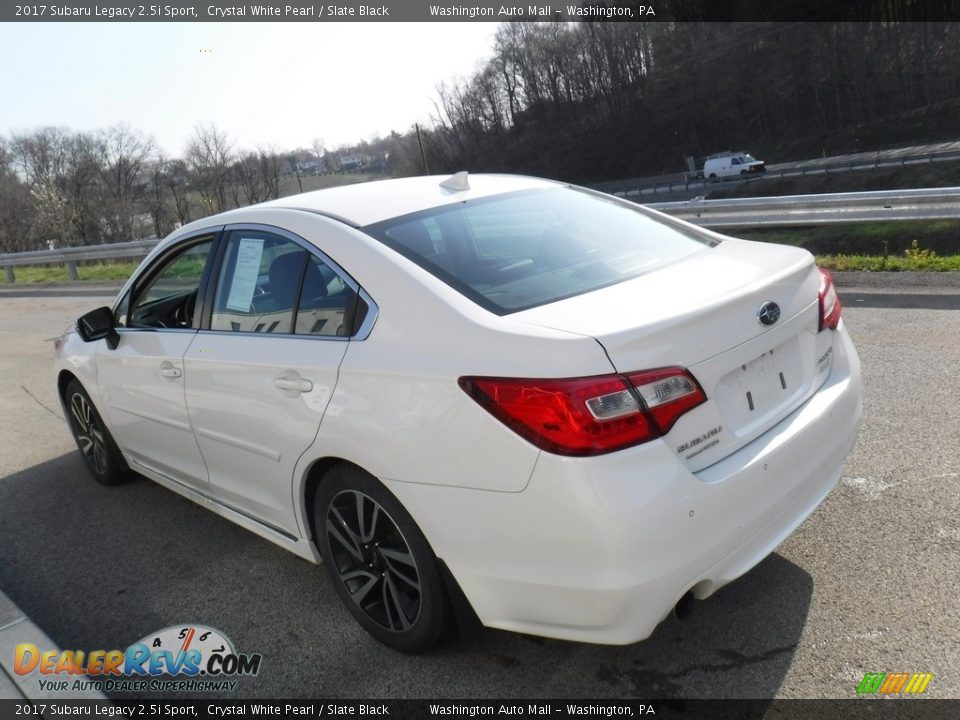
732,164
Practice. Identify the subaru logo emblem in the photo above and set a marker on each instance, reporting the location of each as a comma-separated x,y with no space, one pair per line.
768,313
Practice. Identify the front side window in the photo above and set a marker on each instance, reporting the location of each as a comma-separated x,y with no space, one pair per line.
270,284
520,250
169,295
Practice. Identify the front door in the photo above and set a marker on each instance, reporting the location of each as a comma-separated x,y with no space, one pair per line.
141,380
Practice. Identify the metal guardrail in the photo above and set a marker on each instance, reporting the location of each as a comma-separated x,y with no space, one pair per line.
882,205
70,256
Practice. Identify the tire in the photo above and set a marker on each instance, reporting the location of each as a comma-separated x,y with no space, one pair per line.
713,177
384,571
743,174
97,448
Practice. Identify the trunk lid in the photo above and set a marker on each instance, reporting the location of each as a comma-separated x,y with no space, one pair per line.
702,314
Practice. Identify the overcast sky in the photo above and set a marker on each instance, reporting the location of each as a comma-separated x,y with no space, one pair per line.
264,83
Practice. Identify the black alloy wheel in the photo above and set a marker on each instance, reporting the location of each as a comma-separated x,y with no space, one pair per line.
373,560
381,565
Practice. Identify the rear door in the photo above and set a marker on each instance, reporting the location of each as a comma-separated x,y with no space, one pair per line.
264,366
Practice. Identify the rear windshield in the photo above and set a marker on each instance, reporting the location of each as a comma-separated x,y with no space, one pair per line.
519,250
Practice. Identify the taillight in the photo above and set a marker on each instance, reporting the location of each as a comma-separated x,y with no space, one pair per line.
667,394
829,301
592,415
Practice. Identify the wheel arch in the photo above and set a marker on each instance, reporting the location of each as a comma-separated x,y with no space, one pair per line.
467,620
312,479
63,379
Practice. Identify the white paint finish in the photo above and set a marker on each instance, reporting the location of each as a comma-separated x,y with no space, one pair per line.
251,432
600,549
690,310
145,409
595,549
367,203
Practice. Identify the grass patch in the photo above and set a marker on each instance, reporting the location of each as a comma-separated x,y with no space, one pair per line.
894,263
913,258
923,245
58,273
873,238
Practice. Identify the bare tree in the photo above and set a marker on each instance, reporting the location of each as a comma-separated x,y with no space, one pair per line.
177,179
42,153
159,197
249,179
16,212
89,208
209,156
270,163
126,154
41,157
319,151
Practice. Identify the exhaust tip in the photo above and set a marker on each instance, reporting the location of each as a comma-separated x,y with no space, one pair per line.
684,606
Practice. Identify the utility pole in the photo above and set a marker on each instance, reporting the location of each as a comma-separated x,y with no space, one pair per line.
423,155
296,168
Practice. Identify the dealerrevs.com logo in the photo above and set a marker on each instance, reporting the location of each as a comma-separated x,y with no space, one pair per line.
188,658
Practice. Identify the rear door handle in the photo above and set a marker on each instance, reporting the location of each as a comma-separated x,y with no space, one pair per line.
169,370
293,384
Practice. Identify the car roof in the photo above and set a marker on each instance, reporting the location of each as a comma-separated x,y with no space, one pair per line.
366,203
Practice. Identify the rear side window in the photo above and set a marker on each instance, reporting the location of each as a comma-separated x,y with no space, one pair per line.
326,301
258,287
270,284
516,251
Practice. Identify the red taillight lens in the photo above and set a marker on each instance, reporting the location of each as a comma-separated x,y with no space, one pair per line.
830,307
589,416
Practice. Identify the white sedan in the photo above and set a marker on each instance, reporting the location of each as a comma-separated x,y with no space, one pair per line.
492,398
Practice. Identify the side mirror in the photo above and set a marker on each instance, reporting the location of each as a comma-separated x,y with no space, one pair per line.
98,325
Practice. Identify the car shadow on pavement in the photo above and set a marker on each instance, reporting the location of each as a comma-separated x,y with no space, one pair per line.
101,567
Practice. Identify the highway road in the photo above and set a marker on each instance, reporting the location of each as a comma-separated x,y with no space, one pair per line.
867,584
674,187
856,207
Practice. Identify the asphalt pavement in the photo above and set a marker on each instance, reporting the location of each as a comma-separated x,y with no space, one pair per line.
867,584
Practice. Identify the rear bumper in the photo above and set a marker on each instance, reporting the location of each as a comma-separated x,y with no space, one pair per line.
600,549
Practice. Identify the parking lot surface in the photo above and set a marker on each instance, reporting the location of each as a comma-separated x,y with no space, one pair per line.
867,584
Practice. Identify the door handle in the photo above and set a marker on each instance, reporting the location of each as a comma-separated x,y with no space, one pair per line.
168,370
293,384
